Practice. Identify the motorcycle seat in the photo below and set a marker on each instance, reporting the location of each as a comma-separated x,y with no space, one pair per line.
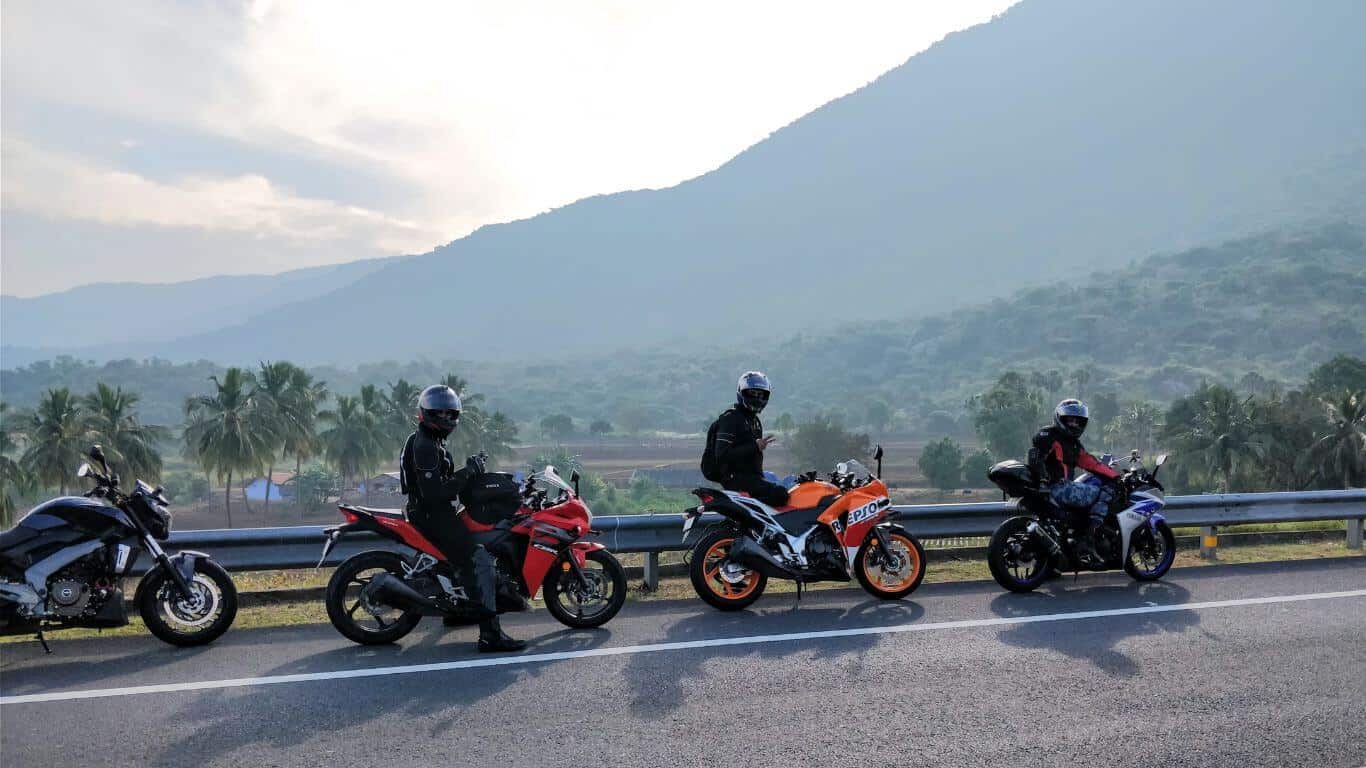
395,513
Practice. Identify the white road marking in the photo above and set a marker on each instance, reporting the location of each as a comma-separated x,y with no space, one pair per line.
537,658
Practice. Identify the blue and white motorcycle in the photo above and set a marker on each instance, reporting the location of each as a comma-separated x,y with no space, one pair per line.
1134,535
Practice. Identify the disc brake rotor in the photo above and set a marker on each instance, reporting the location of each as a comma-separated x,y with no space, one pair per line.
198,609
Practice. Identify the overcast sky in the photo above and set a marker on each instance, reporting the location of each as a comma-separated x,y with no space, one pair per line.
160,141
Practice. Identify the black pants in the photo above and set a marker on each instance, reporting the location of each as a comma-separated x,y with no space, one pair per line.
771,494
472,563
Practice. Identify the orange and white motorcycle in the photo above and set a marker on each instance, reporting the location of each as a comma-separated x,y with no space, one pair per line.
829,531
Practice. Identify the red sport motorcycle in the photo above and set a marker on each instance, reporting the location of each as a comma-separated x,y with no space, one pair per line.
534,532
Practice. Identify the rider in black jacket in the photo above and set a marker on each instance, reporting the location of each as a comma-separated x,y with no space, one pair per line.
740,442
1056,455
433,484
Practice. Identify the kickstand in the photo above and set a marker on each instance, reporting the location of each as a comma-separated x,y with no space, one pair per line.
43,640
799,591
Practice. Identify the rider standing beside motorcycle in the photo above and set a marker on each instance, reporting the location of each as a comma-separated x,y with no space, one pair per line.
433,484
737,452
1055,456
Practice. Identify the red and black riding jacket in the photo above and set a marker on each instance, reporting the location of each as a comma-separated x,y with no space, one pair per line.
1058,455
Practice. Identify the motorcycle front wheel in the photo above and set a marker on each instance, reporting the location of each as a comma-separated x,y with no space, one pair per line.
588,605
197,619
1017,561
890,576
356,616
1150,556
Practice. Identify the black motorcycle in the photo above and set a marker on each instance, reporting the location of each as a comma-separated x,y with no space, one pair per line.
63,564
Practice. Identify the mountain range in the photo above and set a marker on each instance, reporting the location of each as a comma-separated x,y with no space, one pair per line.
1064,137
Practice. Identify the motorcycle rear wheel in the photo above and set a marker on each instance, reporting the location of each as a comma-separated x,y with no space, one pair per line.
719,588
1009,570
344,601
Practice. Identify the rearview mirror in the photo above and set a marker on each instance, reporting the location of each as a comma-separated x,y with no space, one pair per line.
83,470
574,478
1160,461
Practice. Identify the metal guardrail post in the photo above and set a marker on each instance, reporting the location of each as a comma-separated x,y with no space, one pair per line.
651,571
1209,542
1354,532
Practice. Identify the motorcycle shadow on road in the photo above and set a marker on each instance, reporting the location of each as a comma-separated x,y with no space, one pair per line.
661,682
1094,639
224,721
28,669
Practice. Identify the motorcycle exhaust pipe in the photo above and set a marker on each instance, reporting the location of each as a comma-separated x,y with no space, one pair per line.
393,590
748,553
1037,530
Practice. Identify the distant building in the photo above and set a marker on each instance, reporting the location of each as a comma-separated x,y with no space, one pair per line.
385,482
673,477
281,487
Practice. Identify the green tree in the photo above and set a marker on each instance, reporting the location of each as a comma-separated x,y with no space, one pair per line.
1290,424
229,432
975,467
401,402
1136,426
57,439
353,440
878,414
784,423
600,427
942,463
285,406
111,419
557,426
1343,373
823,441
1007,415
1218,431
13,478
1341,454
307,398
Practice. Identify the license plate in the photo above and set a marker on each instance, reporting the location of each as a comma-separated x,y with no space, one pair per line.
327,547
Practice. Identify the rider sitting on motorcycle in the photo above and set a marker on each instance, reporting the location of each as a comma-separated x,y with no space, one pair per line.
740,443
1055,456
433,484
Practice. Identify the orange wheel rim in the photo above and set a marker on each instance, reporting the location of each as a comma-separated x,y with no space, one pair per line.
712,563
909,570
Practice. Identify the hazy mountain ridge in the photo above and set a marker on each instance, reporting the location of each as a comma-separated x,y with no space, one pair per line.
1061,137
1276,304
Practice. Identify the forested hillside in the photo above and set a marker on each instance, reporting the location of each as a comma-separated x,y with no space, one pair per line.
1273,305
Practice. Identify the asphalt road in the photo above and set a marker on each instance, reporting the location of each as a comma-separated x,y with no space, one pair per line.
1252,665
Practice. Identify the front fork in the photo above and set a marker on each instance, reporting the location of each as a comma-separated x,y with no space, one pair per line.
180,569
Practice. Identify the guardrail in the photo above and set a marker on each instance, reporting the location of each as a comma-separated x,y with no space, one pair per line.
245,549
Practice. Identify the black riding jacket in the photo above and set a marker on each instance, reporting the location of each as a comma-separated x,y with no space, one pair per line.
428,474
1056,455
737,447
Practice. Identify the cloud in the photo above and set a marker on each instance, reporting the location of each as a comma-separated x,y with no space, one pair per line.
63,186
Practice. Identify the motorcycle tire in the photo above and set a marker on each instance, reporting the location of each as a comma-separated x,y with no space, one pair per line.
704,571
174,620
559,585
1001,570
905,584
342,616
1168,554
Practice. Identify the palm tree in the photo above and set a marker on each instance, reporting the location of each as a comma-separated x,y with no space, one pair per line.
111,418
353,440
229,430
280,405
1136,426
1341,454
57,439
1218,429
401,402
308,397
12,474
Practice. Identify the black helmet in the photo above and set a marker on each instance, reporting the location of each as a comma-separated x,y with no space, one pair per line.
1071,416
753,391
440,409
